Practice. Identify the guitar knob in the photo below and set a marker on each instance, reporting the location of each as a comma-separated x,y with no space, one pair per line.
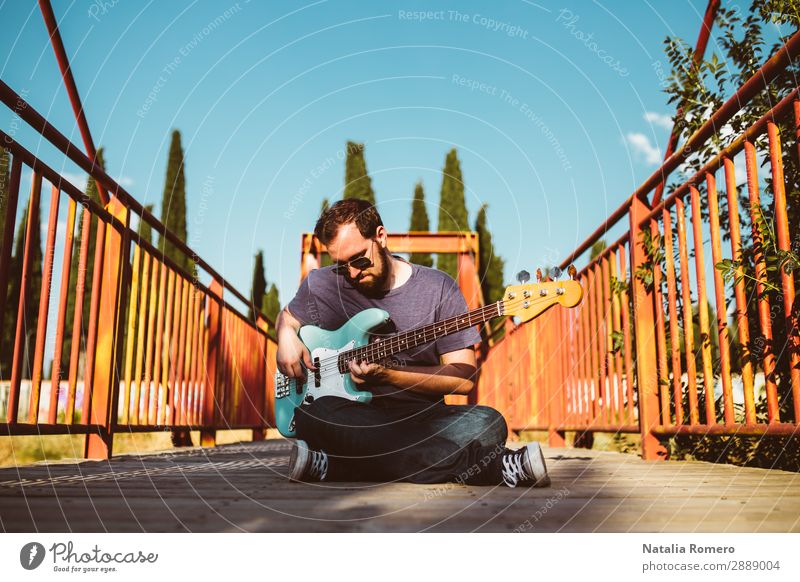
523,277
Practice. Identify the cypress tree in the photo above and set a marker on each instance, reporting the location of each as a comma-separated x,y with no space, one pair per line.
491,266
145,231
357,183
271,304
598,247
173,204
452,209
258,287
326,259
261,300
93,194
420,222
173,215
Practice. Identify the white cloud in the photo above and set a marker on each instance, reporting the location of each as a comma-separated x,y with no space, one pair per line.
740,173
77,180
658,119
643,148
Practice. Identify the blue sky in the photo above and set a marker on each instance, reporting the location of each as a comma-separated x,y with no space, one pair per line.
556,110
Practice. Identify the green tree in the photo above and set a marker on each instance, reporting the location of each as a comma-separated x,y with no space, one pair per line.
173,204
598,247
263,301
173,215
258,287
357,183
452,209
490,268
271,304
326,259
420,223
145,231
92,194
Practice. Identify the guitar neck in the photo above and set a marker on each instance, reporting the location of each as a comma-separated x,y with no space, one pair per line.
400,342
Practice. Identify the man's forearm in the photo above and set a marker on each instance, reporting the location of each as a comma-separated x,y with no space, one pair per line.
437,379
286,323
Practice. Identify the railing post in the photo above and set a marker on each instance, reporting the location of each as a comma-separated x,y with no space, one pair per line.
555,330
108,358
259,434
644,325
208,434
469,283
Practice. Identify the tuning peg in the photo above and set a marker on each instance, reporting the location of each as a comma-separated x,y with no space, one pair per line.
538,275
556,273
572,271
523,277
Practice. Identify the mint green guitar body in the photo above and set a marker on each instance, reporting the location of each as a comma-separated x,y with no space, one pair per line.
325,347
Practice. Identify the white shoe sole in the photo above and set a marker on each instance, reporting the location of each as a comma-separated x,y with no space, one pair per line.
298,460
537,465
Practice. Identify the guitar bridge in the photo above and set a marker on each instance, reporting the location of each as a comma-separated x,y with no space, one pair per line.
282,387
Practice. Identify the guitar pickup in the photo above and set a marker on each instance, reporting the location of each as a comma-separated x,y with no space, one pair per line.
317,373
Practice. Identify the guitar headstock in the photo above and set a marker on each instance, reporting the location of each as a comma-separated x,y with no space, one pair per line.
527,300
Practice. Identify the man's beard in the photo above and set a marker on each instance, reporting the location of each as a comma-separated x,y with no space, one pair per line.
375,285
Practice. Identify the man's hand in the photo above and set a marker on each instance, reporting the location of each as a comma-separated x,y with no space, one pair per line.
365,372
292,352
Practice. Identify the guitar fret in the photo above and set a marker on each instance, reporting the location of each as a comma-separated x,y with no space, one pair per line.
415,337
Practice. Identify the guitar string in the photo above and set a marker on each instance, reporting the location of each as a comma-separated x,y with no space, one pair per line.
372,350
327,364
331,363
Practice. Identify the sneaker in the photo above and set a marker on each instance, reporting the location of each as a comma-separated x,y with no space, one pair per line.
306,464
525,466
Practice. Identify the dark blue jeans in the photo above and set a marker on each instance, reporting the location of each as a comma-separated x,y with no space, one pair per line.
418,443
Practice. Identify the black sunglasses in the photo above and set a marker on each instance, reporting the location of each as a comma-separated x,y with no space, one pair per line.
359,263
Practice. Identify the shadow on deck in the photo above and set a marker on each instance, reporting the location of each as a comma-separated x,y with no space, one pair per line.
243,488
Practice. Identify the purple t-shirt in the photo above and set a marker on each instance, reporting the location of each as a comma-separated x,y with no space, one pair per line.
328,300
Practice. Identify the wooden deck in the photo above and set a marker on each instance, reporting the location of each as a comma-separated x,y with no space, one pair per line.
242,488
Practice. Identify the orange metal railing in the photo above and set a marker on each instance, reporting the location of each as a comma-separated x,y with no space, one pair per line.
158,348
626,360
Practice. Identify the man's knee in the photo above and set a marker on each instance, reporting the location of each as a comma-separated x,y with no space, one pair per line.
310,419
325,415
490,425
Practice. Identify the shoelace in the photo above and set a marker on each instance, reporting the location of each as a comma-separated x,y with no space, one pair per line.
513,470
319,465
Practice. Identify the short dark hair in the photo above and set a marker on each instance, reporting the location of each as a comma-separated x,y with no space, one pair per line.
346,211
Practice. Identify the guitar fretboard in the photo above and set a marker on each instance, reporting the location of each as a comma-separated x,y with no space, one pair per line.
400,342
